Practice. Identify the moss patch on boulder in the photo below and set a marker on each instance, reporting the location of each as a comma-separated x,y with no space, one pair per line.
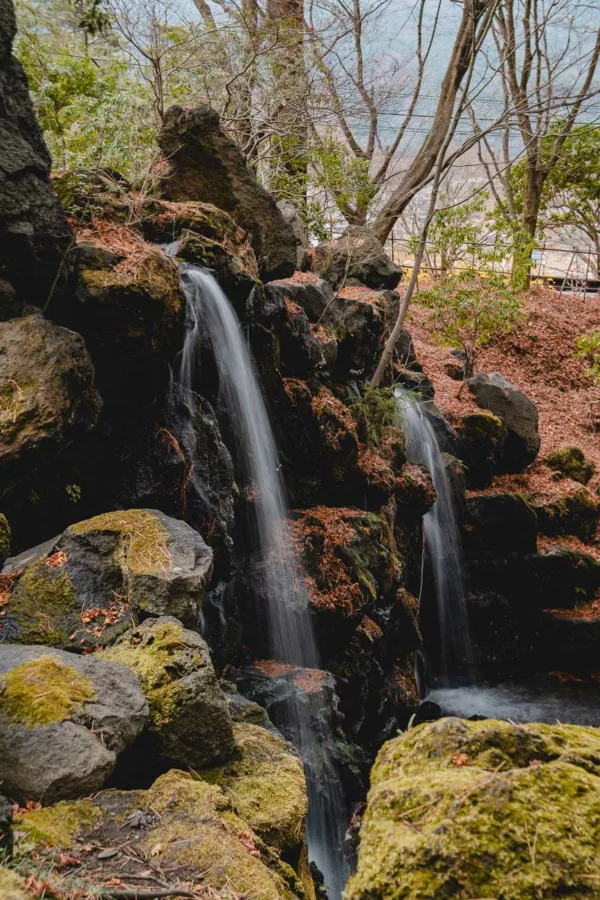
5,537
480,436
44,690
482,809
189,716
265,781
144,540
12,887
573,512
571,462
43,606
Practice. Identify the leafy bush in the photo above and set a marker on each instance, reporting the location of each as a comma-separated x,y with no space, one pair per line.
468,310
588,349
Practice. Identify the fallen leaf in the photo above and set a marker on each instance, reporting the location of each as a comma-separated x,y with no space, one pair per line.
460,759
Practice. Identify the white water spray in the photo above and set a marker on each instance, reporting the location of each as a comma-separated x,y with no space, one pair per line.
282,590
442,539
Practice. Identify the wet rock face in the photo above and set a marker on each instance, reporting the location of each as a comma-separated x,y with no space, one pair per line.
453,806
357,254
34,235
63,721
78,591
189,724
47,393
204,164
519,414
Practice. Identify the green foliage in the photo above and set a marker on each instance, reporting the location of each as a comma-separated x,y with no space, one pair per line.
469,309
459,233
588,349
372,411
343,175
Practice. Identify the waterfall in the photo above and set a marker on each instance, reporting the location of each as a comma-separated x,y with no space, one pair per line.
443,543
281,587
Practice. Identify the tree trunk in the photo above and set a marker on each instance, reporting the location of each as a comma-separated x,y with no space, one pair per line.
423,163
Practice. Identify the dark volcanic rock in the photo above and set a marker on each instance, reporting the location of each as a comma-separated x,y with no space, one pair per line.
500,525
63,721
357,254
519,414
34,235
47,394
203,163
6,835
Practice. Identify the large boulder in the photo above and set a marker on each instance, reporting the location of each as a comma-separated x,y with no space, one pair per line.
79,590
34,235
292,217
189,723
499,525
519,414
482,809
480,438
570,462
203,163
188,828
358,255
266,784
47,394
63,721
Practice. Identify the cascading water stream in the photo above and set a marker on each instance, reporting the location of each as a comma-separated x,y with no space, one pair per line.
291,636
442,540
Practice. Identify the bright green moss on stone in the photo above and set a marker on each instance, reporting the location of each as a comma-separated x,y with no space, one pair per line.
12,887
266,784
480,810
43,691
570,462
144,538
44,606
60,825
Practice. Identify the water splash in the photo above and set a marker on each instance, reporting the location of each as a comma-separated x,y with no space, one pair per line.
442,540
280,585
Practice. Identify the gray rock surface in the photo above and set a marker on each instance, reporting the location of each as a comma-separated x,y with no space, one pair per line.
203,163
357,254
80,589
47,393
190,723
519,414
292,217
63,721
34,235
6,834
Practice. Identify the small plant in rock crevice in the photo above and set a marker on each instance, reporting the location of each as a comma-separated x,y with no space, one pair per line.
373,411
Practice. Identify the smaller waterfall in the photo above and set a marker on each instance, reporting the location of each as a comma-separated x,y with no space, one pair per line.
442,540
280,585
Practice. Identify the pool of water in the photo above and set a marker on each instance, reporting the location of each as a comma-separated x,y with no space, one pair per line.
540,700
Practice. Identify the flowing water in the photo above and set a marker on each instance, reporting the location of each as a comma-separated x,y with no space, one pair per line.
280,585
443,543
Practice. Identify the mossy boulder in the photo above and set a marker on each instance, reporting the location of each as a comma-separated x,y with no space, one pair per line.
205,236
47,394
266,784
189,722
571,462
356,255
575,510
499,526
79,590
184,823
479,439
482,809
130,308
519,414
63,721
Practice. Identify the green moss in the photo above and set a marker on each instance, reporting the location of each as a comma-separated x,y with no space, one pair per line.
576,513
570,462
481,434
59,825
145,539
44,606
42,691
12,887
482,809
266,784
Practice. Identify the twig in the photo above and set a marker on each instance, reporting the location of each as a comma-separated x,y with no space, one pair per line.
152,894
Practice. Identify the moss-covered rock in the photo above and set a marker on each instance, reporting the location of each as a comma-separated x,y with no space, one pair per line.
63,721
575,511
265,781
206,236
80,590
189,718
186,824
480,436
571,462
47,394
482,809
